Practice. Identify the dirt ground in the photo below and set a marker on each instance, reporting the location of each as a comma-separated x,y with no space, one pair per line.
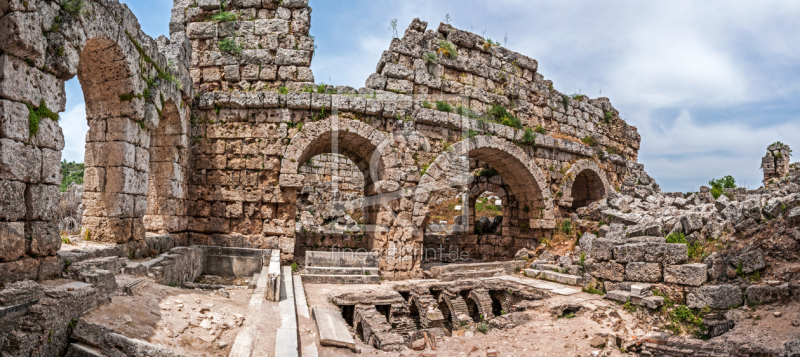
189,322
545,335
765,325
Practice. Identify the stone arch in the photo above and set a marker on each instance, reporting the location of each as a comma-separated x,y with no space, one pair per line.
525,179
168,172
359,141
127,83
584,183
364,145
478,187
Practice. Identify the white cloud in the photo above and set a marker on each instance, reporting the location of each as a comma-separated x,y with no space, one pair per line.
73,124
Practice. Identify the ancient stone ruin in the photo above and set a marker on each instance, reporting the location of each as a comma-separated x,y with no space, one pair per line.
473,196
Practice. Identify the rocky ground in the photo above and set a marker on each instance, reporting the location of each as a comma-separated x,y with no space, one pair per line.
189,322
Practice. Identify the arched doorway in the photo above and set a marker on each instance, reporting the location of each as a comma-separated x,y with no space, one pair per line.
584,184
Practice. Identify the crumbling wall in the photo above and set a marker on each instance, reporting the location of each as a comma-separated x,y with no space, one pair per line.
775,163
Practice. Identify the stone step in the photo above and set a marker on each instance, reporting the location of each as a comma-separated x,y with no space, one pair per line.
471,274
562,278
341,279
342,271
547,267
341,259
618,295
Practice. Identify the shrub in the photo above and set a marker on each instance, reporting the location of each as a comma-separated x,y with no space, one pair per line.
588,140
676,237
443,107
73,7
427,104
448,49
696,250
566,227
283,90
230,46
294,267
578,96
528,137
483,327
501,115
225,16
540,129
608,116
430,58
718,186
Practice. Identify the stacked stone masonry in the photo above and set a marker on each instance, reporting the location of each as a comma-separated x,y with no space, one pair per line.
203,135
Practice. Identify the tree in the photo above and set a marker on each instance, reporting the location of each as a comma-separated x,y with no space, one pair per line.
718,186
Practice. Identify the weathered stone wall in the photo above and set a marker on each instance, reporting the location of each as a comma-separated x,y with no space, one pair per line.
225,169
128,85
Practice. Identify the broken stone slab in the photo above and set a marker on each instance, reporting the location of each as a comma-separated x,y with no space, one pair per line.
332,328
273,290
686,274
641,290
714,296
652,302
618,295
555,277
601,249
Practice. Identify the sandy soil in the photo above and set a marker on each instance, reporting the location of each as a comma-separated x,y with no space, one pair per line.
189,322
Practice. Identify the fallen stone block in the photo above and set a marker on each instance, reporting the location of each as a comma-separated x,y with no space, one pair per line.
686,274
618,295
652,302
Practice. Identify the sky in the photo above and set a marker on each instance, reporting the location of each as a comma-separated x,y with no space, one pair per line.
709,85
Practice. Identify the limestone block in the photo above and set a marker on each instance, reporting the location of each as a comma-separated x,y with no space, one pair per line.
202,30
376,81
112,230
766,294
12,241
608,270
644,272
22,83
687,274
43,238
126,180
601,249
286,57
293,4
14,121
618,295
20,162
22,269
666,253
750,261
271,26
714,296
691,223
41,202
114,153
23,37
298,100
12,200
124,129
94,179
51,167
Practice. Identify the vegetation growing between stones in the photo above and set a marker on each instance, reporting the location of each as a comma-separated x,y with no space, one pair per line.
430,58
588,140
442,106
490,172
35,116
73,7
540,129
448,49
501,115
228,45
528,137
676,238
